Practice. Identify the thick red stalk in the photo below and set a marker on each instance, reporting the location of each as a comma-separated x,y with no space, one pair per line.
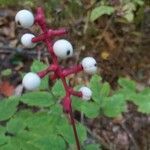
43,73
72,70
49,34
47,37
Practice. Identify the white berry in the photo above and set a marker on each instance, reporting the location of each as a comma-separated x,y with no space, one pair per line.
25,18
63,49
86,93
26,40
31,81
89,65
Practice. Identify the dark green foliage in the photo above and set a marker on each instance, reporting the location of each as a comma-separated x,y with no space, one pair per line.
112,105
49,127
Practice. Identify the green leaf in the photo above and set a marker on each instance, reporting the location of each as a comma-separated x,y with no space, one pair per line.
56,110
24,114
93,147
47,122
146,91
7,108
113,106
143,102
39,66
23,140
15,125
40,99
58,89
6,72
128,88
100,11
3,139
105,89
2,129
129,7
7,147
139,2
90,109
95,86
127,84
67,132
52,142
126,93
129,16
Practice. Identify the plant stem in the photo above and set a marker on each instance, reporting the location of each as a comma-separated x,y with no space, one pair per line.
74,129
47,37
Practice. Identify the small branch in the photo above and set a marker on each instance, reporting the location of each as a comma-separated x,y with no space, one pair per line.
76,93
54,77
130,135
39,38
74,69
40,19
98,138
104,31
43,73
9,50
58,32
49,34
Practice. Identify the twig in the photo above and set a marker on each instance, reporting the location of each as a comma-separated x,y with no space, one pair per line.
104,31
82,118
9,50
130,135
98,138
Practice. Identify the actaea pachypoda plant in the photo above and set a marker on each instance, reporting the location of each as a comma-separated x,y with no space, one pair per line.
61,49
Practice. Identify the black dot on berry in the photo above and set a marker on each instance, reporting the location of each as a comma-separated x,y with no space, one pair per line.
18,23
68,52
95,65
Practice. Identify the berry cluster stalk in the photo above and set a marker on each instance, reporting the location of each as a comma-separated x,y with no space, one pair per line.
60,49
47,37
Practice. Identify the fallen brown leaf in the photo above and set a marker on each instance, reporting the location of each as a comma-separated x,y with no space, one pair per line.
6,88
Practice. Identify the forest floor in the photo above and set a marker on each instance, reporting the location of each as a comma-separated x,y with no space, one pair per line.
120,50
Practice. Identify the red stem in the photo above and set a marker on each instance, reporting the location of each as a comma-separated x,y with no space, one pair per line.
76,93
47,37
74,129
58,32
74,69
49,34
43,73
66,72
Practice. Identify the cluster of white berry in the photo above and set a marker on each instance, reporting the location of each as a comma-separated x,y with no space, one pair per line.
62,49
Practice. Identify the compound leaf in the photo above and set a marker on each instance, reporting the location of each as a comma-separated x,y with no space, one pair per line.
113,106
127,84
40,99
8,107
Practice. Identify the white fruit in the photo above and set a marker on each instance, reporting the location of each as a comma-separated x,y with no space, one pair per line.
89,65
31,81
63,49
26,40
25,18
86,93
